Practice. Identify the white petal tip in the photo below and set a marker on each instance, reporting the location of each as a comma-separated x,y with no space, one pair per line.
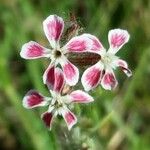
24,103
23,52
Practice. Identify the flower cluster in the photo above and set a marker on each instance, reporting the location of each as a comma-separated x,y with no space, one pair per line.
56,77
57,104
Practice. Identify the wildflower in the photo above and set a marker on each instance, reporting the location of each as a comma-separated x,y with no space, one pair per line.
102,71
53,27
57,104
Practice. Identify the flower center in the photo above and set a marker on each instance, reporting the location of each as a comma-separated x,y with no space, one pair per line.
57,54
107,59
57,104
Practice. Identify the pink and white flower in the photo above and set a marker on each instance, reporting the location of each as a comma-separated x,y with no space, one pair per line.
102,72
53,27
58,103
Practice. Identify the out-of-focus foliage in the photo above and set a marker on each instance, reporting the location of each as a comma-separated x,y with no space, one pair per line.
117,120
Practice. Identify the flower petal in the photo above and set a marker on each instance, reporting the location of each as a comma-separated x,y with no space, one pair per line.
34,99
47,118
117,38
124,67
49,76
78,44
92,76
96,46
59,80
79,96
109,81
71,72
54,78
53,27
33,50
69,117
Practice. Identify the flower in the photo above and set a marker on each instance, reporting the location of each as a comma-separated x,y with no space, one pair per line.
53,27
57,104
102,72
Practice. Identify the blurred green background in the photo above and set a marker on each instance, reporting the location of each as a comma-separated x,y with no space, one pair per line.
117,120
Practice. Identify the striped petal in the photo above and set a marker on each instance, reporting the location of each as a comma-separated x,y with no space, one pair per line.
95,45
59,80
53,27
54,78
79,96
84,43
33,50
69,118
109,81
92,76
34,99
49,76
117,38
78,44
70,71
47,118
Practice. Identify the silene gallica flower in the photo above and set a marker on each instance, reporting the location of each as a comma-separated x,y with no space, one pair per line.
102,72
57,103
53,27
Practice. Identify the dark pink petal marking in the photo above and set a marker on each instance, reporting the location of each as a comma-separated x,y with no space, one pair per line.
96,45
91,77
117,38
78,44
33,50
59,80
49,76
71,72
109,81
47,118
79,96
33,99
69,118
53,28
